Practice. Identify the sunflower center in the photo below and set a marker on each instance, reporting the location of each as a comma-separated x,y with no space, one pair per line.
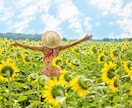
75,62
33,76
129,65
76,50
94,49
7,71
68,77
27,58
58,62
58,91
111,73
83,82
106,53
102,58
42,79
115,52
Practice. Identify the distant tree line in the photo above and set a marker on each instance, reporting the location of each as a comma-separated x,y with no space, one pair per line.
37,37
22,36
17,36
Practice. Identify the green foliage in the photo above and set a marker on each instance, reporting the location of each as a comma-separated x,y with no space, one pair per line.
25,90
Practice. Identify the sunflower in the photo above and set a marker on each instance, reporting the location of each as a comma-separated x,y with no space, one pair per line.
1,51
92,49
75,51
11,49
113,85
57,62
32,77
54,92
130,92
101,57
42,79
114,54
127,66
25,58
74,63
65,78
80,85
1,98
69,63
8,70
108,72
130,104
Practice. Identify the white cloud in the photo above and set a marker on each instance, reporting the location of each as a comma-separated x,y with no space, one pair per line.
67,10
108,6
19,26
122,13
78,22
20,14
75,25
125,25
97,24
5,12
1,5
112,23
27,12
126,11
87,24
125,35
50,22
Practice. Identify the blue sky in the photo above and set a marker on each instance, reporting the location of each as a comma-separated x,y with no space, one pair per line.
71,18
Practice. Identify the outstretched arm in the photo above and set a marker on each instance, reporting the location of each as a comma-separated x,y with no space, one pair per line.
37,48
86,37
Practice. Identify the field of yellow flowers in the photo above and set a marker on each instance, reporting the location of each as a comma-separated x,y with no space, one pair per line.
93,75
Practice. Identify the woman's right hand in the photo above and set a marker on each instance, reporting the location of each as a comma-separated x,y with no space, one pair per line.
14,43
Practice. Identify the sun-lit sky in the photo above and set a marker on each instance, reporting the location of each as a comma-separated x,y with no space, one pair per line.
71,18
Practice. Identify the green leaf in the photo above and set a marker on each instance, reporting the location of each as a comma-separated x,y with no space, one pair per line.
29,92
34,103
3,89
22,98
125,96
23,85
127,86
116,99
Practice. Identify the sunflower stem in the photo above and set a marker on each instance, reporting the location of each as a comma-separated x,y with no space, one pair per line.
10,90
120,93
120,87
97,96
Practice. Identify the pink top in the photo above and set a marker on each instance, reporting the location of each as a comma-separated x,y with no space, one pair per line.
48,69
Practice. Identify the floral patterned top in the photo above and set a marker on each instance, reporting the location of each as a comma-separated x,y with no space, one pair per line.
48,69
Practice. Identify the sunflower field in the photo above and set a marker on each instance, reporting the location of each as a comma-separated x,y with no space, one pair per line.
93,75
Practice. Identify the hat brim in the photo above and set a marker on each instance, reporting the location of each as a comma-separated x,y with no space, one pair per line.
51,45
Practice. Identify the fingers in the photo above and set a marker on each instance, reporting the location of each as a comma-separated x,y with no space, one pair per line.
14,43
88,36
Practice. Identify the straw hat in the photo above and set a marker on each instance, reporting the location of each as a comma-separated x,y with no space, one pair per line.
51,39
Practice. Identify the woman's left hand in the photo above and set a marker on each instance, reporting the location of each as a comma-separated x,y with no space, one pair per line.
88,37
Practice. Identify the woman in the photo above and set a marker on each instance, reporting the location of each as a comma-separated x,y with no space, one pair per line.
50,49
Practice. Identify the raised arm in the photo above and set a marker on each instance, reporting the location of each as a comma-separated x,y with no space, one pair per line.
86,37
33,47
